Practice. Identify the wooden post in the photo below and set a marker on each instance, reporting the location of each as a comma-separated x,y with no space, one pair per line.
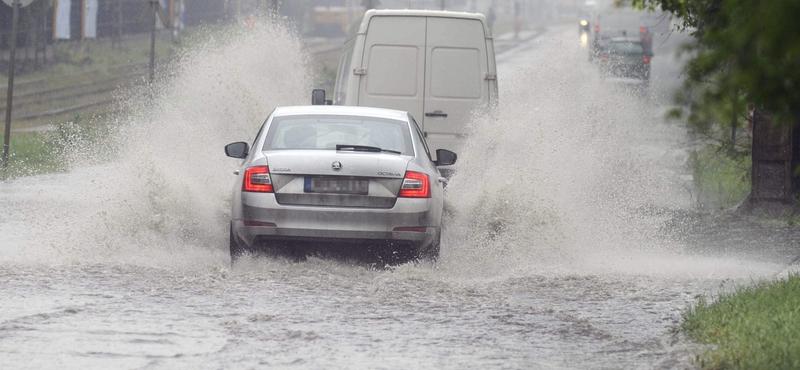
83,20
154,7
11,61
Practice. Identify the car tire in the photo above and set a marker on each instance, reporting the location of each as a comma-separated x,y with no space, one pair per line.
236,248
430,252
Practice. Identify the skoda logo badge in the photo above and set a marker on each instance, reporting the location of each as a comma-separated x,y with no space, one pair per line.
337,166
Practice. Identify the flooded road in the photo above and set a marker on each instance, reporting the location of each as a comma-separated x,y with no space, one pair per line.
562,249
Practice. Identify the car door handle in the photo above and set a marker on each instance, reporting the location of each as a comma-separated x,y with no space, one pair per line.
436,113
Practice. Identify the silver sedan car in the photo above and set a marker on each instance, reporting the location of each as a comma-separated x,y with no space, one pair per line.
341,176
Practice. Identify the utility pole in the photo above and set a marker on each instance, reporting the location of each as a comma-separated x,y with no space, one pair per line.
154,7
12,59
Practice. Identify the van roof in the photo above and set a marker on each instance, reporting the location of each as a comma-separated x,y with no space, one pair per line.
361,27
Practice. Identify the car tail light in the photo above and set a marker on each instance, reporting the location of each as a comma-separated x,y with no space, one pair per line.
604,57
596,29
415,185
256,179
641,29
412,229
646,59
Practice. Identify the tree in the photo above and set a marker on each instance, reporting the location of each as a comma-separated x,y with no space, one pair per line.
750,47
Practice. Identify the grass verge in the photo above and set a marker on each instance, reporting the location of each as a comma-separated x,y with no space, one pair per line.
721,181
40,152
755,327
29,154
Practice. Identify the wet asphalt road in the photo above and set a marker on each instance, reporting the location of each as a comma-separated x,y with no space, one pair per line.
572,244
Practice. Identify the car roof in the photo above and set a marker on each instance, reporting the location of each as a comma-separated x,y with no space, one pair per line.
341,110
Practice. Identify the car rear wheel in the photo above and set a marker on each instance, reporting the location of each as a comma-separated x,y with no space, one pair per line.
235,247
431,252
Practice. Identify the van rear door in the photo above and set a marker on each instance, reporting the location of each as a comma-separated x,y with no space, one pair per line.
393,65
456,79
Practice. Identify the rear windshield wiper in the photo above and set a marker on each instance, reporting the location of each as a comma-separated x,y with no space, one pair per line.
364,148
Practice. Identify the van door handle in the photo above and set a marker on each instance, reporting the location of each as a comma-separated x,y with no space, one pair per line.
436,113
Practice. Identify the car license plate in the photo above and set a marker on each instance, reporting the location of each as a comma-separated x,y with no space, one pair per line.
336,185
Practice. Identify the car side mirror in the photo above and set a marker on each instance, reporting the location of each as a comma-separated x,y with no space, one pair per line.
318,97
237,150
445,157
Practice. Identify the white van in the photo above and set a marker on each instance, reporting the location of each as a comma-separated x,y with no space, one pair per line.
437,65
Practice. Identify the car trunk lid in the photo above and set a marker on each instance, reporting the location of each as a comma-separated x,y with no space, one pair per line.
331,178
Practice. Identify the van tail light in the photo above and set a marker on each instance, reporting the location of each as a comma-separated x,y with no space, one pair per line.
415,185
646,59
256,179
641,29
596,29
604,57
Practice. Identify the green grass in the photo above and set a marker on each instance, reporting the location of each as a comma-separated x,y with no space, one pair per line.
95,56
756,327
40,152
721,181
29,154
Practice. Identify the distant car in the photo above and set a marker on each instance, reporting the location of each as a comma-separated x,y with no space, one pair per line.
338,175
624,57
585,17
615,20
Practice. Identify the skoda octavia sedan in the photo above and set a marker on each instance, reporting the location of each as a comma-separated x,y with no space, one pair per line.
343,176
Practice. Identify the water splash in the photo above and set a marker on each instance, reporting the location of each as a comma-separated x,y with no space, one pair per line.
163,182
554,176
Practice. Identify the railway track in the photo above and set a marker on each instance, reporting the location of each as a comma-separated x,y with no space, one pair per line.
42,102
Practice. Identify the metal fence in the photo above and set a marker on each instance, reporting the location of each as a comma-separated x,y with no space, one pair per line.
114,18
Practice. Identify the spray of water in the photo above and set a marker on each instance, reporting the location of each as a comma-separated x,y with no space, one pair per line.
555,177
162,188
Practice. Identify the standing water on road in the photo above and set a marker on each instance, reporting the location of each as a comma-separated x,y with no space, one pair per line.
553,254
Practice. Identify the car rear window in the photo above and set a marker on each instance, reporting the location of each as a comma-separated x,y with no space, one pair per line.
626,47
321,132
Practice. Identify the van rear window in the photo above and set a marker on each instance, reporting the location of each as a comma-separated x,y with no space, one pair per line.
456,73
392,70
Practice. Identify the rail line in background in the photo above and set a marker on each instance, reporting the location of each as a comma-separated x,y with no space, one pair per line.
38,104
